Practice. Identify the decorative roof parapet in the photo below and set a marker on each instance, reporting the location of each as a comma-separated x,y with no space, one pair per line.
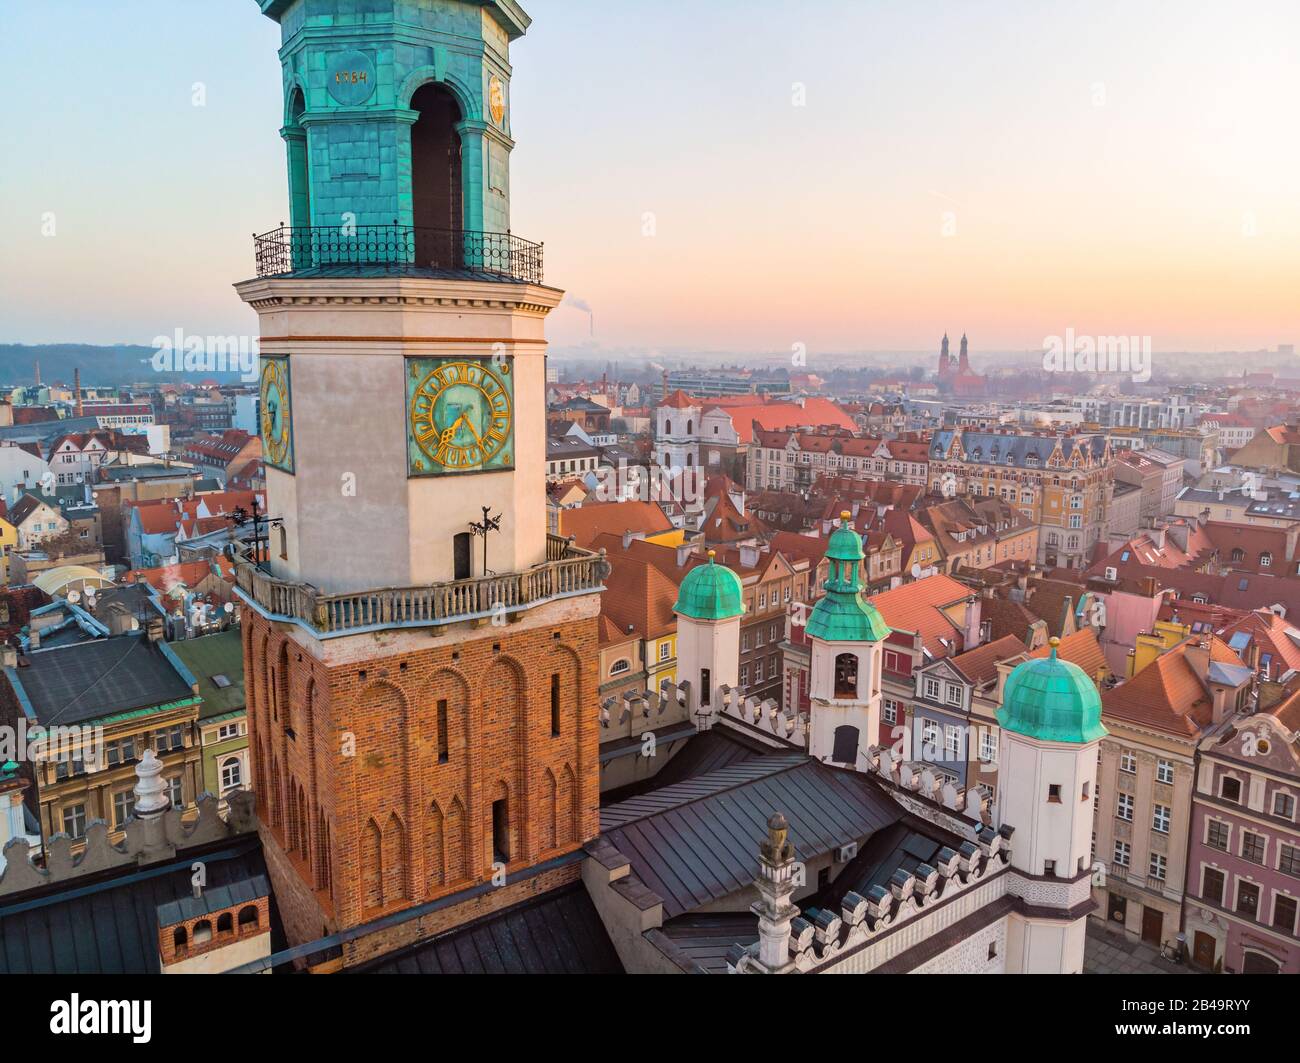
819,938
139,847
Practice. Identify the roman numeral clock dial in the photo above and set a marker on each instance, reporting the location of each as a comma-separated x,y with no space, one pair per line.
460,416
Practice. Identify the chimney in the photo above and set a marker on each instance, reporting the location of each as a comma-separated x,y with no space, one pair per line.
76,390
1149,587
155,629
972,625
683,554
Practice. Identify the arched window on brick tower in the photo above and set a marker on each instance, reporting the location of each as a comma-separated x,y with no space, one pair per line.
437,196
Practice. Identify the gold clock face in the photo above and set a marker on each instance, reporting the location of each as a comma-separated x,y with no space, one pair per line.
497,100
461,415
276,420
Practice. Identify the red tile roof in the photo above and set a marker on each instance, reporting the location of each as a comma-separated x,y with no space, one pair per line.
587,522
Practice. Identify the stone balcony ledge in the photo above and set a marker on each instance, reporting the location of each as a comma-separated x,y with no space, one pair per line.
567,572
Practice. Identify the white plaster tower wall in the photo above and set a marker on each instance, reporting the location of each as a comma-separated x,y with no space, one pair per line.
830,711
708,645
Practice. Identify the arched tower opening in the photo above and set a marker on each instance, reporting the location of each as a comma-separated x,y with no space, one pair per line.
295,135
437,193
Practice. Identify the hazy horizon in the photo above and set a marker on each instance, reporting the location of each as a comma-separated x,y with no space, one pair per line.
1015,170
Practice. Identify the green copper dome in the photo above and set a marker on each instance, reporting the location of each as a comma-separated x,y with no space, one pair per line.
710,592
1052,700
843,614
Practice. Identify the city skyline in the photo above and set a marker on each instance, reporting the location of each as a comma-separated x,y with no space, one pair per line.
805,181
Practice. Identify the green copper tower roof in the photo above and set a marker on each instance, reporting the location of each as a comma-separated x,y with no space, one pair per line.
843,614
710,592
1052,700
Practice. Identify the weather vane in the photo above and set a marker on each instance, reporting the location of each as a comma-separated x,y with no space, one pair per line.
241,517
482,528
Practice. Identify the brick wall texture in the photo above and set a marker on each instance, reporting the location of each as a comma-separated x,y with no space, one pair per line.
376,779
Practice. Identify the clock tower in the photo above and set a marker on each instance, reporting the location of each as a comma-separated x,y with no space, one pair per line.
419,651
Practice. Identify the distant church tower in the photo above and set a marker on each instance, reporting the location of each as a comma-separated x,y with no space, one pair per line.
846,633
419,652
1051,729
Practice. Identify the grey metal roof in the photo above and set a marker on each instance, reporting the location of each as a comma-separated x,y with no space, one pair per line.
699,755
705,940
90,680
697,842
557,933
110,926
214,899
1229,674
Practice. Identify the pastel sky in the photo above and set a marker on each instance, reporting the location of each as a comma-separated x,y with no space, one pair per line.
1010,169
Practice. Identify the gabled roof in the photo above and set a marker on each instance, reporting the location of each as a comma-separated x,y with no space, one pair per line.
639,598
1082,649
917,607
587,522
980,665
1168,695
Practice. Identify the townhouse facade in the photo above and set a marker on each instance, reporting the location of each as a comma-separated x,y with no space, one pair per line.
1243,894
1061,482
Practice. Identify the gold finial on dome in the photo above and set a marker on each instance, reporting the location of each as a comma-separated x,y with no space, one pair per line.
845,515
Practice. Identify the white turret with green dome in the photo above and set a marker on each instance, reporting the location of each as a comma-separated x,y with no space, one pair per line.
845,632
710,603
1051,730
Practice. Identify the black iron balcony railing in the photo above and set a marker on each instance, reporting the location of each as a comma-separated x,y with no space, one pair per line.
396,250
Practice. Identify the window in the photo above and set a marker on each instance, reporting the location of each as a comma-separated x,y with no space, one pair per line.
846,675
232,774
123,807
228,730
988,746
890,711
930,737
1284,806
1247,899
706,687
932,688
993,950
444,751
1288,860
171,739
665,650
744,676
1128,762
1230,789
74,821
1124,807
500,832
1049,867
1054,794
1160,819
1216,835
953,692
1164,771
555,705
1122,852
1212,891
1284,912
1157,867
1265,559
175,792
1252,847
952,742
620,666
